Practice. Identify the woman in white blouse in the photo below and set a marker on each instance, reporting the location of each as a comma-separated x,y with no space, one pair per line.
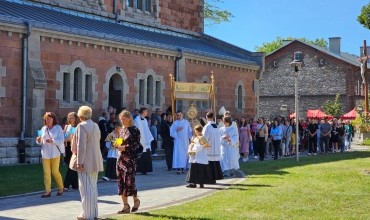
52,145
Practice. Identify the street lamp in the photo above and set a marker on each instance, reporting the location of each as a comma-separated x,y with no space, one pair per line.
297,64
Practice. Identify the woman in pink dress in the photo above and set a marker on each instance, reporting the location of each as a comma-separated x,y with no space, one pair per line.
244,133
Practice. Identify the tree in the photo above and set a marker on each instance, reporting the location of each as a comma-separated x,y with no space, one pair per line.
213,14
276,44
333,108
364,17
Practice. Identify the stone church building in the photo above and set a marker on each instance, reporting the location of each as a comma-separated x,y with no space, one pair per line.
58,55
325,73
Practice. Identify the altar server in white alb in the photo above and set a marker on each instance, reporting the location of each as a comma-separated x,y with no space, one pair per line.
212,134
229,151
198,172
181,132
144,164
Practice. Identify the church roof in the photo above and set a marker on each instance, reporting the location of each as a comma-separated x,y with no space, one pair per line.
68,21
346,57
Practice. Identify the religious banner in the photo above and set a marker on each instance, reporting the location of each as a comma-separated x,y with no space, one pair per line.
192,91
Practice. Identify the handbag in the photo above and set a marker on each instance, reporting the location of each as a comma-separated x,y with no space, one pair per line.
73,161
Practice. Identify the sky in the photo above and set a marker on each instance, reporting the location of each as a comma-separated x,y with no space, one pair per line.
256,22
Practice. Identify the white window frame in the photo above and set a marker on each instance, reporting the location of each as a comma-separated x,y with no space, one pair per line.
296,54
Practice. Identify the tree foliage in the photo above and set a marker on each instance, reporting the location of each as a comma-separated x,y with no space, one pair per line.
333,108
213,14
364,17
276,44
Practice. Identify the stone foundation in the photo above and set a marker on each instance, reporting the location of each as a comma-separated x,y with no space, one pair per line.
9,154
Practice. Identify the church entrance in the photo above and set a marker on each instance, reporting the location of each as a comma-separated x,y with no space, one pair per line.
115,92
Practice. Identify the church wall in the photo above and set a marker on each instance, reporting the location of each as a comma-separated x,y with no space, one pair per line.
226,80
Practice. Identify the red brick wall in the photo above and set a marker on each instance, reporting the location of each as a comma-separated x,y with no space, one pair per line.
226,80
54,54
181,14
10,110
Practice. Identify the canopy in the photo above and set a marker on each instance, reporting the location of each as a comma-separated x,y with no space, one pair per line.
350,115
317,114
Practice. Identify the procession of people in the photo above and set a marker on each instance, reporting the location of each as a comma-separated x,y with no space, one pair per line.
208,151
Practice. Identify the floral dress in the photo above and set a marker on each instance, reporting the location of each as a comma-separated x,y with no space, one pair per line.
126,162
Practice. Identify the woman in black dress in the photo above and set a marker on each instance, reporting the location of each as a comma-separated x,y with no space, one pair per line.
71,178
126,162
335,136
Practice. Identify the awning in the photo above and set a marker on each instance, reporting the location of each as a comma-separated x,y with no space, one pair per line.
350,115
318,114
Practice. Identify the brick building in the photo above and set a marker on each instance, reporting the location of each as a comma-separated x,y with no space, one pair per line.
325,73
105,52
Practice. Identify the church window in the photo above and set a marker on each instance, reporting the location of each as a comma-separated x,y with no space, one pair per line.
240,97
77,85
141,92
66,87
149,90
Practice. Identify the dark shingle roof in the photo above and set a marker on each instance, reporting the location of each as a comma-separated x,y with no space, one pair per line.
53,18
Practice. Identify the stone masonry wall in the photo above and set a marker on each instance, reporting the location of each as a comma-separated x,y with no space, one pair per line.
184,14
316,82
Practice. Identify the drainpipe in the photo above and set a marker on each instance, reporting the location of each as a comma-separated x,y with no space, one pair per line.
21,142
177,74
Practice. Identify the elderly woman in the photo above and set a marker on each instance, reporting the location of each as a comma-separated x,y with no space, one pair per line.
52,145
71,178
86,144
126,162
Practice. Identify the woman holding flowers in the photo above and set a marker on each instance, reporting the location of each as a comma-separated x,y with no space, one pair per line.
126,162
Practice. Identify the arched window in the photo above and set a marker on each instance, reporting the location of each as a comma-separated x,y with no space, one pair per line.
66,87
240,97
77,85
149,90
141,91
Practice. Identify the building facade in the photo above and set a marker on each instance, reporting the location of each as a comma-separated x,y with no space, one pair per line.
100,53
325,73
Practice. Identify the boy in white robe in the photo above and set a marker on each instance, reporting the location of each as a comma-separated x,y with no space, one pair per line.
212,134
229,151
181,132
144,164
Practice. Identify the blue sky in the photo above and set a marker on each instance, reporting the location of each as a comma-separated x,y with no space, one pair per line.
256,22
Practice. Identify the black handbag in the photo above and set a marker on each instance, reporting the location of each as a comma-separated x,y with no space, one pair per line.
139,151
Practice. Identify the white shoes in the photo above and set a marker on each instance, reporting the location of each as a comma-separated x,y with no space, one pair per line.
105,178
314,154
244,159
309,154
255,157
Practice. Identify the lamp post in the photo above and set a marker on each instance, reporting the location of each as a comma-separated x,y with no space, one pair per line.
297,64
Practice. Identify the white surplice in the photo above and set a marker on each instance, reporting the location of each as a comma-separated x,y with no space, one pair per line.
145,135
212,135
181,143
200,153
229,152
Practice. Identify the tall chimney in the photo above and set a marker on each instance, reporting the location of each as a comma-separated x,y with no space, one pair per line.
334,45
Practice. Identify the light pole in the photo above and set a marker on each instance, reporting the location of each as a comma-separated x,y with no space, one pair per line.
297,66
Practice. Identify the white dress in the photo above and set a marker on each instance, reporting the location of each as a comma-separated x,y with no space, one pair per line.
229,150
181,143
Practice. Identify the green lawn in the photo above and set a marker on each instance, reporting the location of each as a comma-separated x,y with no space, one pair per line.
333,186
26,178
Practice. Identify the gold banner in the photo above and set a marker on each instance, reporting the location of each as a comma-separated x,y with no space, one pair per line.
192,87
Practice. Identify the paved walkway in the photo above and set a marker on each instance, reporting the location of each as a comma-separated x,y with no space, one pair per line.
155,190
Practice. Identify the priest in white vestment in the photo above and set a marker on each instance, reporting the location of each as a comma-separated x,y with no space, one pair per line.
229,151
181,132
144,163
212,134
